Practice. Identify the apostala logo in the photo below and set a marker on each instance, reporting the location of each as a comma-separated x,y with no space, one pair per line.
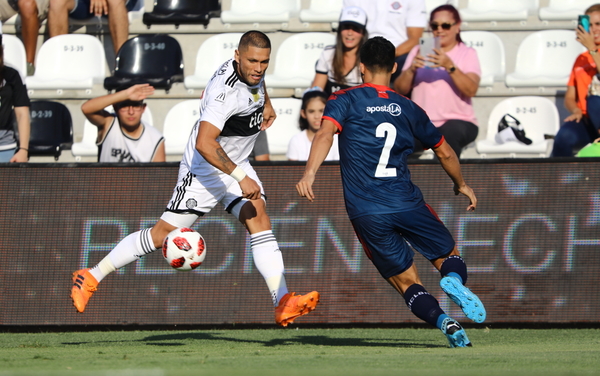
393,108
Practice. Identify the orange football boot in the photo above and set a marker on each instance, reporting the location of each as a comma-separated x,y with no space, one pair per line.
292,306
84,286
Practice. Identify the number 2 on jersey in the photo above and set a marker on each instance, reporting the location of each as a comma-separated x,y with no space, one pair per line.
388,131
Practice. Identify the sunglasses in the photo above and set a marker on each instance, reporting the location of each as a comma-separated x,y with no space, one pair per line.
446,26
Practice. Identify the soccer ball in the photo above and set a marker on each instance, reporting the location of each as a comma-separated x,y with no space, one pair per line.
184,249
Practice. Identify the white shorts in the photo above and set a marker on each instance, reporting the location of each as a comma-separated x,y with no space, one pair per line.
194,196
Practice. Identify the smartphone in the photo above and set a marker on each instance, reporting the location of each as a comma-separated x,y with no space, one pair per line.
427,44
584,22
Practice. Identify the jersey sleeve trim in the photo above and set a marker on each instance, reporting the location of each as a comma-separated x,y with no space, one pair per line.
335,122
439,143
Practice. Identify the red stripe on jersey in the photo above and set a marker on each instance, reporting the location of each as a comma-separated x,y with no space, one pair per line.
335,122
439,143
365,248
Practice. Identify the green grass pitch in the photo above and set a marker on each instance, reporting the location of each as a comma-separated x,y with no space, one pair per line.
301,351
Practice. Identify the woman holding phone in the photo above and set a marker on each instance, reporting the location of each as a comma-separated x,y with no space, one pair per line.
582,97
443,82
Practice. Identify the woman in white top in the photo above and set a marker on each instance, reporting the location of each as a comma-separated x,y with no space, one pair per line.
337,67
313,104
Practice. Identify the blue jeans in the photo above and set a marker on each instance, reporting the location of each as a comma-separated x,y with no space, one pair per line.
6,155
572,136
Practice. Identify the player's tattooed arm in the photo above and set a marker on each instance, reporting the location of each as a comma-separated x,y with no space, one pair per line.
225,164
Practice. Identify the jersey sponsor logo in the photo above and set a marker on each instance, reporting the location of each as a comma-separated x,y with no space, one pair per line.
223,68
220,98
243,125
392,108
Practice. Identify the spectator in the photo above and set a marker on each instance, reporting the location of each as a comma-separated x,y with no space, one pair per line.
260,152
313,104
118,22
445,87
402,22
579,128
14,95
32,13
124,137
337,68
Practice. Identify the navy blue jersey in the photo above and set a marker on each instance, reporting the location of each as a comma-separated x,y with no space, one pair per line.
377,129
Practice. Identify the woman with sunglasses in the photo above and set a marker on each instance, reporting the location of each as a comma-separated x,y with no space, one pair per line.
444,82
337,68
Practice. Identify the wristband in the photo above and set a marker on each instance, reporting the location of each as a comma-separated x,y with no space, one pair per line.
238,174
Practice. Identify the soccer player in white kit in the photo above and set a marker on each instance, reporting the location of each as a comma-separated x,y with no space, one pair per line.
215,169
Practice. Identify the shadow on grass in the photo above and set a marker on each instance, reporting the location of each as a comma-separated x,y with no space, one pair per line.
178,339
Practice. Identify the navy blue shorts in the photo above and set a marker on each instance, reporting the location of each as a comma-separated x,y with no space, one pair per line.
82,9
386,238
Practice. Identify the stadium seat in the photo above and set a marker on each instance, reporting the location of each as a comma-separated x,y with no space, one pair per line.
564,10
87,147
70,61
322,11
51,129
285,125
178,125
494,10
156,59
182,12
14,54
432,4
538,117
545,58
211,54
256,11
490,51
296,58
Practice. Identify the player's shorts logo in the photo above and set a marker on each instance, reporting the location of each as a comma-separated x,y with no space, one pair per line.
392,108
191,203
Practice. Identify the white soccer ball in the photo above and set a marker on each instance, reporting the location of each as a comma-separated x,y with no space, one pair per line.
184,249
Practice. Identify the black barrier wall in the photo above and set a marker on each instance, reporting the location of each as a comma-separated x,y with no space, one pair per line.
531,246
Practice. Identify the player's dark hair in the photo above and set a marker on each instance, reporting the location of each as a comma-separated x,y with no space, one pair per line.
306,98
455,15
378,55
254,38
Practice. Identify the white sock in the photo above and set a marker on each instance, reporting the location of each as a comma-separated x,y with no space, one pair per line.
269,262
131,248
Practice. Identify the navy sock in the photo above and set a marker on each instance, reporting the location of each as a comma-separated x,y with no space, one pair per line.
454,266
422,304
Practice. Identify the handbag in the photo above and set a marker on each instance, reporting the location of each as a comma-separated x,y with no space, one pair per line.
509,129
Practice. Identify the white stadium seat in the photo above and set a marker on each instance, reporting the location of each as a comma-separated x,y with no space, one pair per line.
70,61
211,54
495,10
564,10
322,11
432,4
87,147
296,58
285,125
538,117
14,54
178,125
545,58
490,51
257,11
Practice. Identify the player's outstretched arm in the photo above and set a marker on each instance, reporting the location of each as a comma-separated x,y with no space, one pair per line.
318,152
213,153
451,165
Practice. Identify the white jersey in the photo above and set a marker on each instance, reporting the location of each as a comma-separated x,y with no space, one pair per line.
116,146
237,110
299,148
390,18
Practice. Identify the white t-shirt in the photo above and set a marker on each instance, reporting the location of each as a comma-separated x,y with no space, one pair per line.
299,148
325,66
233,107
116,146
390,18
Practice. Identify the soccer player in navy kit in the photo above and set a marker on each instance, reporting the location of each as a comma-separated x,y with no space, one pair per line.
376,129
